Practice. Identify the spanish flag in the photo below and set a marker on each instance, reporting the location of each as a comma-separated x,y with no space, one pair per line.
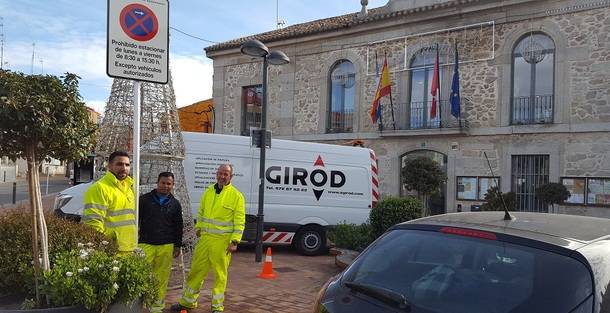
383,89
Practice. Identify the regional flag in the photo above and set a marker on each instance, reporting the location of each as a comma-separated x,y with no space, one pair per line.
383,89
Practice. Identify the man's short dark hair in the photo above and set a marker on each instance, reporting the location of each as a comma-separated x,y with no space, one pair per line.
116,154
165,174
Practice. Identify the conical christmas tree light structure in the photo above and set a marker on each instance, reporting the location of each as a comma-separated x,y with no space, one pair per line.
161,143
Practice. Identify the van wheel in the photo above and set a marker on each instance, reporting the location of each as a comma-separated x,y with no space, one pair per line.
311,240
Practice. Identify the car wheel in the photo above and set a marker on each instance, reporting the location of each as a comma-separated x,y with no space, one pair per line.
311,240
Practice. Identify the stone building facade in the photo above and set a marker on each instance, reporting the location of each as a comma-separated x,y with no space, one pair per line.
534,86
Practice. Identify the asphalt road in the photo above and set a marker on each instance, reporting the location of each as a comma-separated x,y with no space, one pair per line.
56,184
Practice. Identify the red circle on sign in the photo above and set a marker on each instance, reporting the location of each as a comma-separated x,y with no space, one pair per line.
139,22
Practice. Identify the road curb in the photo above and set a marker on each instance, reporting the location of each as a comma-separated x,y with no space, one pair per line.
343,257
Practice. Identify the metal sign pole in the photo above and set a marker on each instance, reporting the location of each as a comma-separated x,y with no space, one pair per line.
260,217
135,165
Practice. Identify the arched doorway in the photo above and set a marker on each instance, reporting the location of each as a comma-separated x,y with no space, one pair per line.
437,201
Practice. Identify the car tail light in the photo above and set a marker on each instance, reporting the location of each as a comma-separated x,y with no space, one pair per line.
468,233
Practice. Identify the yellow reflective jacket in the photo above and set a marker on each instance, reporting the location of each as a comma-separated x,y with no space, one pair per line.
109,208
223,213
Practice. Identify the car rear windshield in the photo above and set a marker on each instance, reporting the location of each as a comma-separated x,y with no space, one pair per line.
439,272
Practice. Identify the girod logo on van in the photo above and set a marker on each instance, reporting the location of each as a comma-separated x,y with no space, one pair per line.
319,177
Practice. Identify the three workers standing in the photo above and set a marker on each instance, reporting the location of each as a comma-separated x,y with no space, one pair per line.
109,208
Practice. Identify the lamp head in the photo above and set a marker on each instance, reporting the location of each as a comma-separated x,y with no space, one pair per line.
278,58
254,48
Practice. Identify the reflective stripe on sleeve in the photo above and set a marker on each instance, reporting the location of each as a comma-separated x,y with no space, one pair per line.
95,206
121,212
92,216
122,223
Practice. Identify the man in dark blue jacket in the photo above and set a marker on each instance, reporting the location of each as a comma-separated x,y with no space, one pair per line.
160,216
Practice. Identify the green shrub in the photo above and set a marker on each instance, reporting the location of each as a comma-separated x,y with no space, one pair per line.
95,279
392,211
493,202
16,270
553,193
352,236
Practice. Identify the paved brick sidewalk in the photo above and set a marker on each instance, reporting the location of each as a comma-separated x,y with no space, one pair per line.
299,280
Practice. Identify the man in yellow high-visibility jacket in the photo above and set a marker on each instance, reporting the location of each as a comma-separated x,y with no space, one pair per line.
220,225
109,205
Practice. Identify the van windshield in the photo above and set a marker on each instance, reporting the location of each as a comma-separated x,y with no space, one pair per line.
438,272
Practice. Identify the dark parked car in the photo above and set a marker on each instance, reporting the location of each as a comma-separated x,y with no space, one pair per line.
479,263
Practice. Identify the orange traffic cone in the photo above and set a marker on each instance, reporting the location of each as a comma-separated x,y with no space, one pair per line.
267,272
183,311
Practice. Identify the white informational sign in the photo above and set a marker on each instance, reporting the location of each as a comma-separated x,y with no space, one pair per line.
137,43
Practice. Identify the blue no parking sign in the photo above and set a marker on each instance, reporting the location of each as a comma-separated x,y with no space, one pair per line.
138,40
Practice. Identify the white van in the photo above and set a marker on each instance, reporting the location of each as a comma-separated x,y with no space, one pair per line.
308,186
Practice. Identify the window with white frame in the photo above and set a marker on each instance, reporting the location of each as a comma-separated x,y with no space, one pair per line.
475,187
593,191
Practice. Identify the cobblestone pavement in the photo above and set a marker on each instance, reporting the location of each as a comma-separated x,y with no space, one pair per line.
298,282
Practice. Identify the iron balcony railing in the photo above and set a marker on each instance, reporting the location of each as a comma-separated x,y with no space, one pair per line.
340,121
532,109
416,115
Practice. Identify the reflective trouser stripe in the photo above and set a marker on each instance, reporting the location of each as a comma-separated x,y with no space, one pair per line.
160,257
210,255
157,307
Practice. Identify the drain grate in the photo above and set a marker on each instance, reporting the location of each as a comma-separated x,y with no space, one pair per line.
284,269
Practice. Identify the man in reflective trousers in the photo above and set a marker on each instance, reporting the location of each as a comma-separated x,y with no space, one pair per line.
161,232
220,225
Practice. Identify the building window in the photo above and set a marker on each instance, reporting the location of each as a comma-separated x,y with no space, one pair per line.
252,99
437,199
598,191
342,97
593,191
576,187
422,73
528,173
475,188
533,79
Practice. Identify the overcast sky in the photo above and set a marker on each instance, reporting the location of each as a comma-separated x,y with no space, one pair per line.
70,36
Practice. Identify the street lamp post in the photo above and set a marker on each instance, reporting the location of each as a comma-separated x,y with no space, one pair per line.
256,48
3,95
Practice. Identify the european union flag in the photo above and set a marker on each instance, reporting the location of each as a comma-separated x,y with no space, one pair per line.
455,88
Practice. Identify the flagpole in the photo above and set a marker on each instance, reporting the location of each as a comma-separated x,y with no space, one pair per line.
438,94
380,116
380,124
455,99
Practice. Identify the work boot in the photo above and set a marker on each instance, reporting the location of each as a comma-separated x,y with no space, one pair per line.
177,307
